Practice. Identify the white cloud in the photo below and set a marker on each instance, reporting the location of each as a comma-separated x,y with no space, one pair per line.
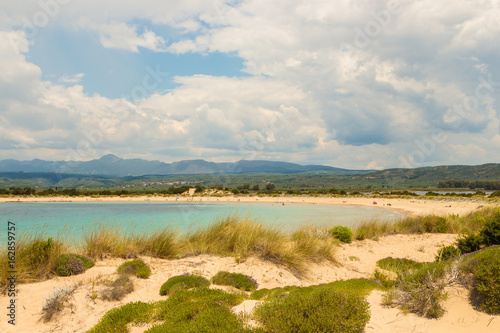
351,108
123,36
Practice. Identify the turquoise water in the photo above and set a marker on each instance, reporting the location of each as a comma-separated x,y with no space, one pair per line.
55,217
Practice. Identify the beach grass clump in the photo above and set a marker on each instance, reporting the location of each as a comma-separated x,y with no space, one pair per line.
135,267
161,243
104,239
35,257
242,237
118,319
184,281
313,245
55,302
320,310
343,234
237,280
118,289
72,264
372,228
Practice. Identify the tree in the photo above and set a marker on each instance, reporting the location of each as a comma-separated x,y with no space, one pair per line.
255,187
270,186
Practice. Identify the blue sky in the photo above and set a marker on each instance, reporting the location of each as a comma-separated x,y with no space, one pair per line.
354,84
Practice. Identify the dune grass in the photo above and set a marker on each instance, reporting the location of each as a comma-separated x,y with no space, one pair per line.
452,224
234,236
35,257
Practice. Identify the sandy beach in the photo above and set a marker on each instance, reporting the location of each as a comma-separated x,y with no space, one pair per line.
440,206
355,260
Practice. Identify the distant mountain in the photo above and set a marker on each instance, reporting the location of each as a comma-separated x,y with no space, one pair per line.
111,165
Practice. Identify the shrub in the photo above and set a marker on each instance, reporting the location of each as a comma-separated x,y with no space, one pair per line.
55,301
117,319
484,266
198,310
73,264
490,233
321,310
185,281
118,289
487,284
239,281
469,243
421,291
447,252
343,234
135,267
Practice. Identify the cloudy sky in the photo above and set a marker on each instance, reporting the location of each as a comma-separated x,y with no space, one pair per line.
347,83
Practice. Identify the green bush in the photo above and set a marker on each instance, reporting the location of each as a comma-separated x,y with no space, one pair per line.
469,243
185,281
191,310
490,233
321,310
72,264
485,269
117,319
239,281
135,267
447,252
343,234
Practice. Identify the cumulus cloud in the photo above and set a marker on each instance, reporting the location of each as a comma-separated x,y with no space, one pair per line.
361,84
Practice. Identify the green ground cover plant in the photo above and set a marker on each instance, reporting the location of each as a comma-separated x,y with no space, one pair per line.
320,310
185,281
237,280
343,234
136,267
72,264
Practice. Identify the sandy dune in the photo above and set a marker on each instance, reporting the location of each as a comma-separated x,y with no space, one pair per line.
354,260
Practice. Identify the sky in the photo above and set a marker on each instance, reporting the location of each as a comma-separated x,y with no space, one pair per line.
359,84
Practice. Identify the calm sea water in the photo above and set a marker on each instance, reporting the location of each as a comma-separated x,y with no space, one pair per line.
143,216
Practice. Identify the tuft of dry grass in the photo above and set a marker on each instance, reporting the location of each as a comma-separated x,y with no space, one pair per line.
35,257
244,237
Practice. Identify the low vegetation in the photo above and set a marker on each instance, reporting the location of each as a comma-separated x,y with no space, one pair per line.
343,234
237,280
117,289
72,264
56,301
135,267
184,281
474,262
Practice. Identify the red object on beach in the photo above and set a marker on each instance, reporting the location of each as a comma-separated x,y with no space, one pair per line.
374,202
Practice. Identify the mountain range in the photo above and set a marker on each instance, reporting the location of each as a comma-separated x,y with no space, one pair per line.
114,166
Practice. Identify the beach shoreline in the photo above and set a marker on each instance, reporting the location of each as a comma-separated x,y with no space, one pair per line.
410,206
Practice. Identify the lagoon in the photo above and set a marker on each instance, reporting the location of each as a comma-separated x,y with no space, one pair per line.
54,217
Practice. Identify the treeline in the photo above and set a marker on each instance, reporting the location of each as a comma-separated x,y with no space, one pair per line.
487,185
73,192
